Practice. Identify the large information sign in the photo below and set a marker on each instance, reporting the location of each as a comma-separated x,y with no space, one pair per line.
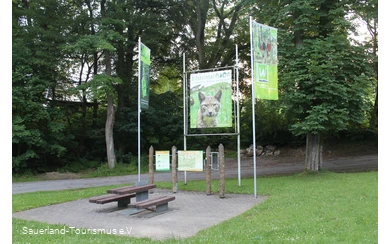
190,161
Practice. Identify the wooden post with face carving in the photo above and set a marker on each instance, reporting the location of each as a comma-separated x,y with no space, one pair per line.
221,152
208,171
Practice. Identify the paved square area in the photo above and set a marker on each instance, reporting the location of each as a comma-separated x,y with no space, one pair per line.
189,213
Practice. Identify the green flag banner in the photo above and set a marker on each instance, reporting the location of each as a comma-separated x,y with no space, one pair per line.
265,61
144,73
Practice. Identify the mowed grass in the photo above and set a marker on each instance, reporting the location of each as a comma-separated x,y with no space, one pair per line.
304,208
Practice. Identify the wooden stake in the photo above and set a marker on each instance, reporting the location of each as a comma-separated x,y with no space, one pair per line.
208,171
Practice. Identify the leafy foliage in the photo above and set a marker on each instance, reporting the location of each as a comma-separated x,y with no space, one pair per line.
327,85
102,85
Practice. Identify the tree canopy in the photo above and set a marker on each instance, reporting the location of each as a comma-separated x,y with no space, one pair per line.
75,61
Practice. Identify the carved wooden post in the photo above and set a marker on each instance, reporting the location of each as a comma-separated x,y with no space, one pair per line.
174,171
221,152
151,165
208,171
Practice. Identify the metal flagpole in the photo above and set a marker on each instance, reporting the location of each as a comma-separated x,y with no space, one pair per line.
185,109
139,109
238,121
253,112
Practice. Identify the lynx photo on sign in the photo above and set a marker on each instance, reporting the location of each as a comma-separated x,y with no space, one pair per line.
162,161
211,99
190,161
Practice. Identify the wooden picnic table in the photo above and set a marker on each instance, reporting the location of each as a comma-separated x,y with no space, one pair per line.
123,195
142,191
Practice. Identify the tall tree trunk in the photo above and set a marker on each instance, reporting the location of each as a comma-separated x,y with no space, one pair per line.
95,65
109,132
313,157
95,102
109,129
202,8
83,124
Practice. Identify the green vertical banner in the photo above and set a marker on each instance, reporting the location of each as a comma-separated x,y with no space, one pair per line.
265,61
144,73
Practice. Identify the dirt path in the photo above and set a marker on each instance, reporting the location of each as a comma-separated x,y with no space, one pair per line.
288,157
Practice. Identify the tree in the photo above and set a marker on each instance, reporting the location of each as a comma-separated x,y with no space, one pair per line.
103,84
366,11
323,78
38,124
214,42
64,50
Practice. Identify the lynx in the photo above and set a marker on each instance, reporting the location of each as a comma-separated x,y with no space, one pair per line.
208,110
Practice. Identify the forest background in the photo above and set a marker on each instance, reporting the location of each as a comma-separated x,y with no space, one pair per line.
74,76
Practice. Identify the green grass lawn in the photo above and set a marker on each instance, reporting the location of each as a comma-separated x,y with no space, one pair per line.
303,208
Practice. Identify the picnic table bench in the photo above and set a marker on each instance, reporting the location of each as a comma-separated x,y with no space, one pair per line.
123,200
160,203
123,195
142,191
